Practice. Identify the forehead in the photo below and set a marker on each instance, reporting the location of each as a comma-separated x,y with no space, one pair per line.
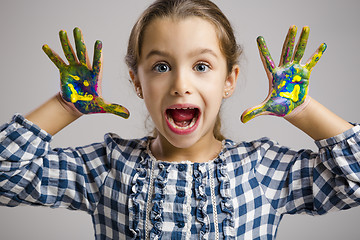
180,35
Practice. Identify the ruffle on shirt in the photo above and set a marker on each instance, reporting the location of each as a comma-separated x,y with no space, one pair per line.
226,203
339,154
24,140
159,195
134,206
200,175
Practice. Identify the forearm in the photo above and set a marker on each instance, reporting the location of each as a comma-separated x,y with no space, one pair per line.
52,116
319,122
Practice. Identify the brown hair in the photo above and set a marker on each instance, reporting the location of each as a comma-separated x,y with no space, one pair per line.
182,9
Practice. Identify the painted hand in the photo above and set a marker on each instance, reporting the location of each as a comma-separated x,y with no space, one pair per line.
81,82
288,83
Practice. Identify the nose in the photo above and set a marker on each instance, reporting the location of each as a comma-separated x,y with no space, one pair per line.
181,84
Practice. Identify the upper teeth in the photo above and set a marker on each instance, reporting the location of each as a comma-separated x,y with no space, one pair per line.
191,108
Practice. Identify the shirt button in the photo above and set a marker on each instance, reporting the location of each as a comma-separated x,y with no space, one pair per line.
181,167
181,194
180,224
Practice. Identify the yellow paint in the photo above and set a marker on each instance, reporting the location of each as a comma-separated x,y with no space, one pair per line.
281,84
273,92
296,78
76,97
86,83
316,57
77,78
293,96
313,61
250,115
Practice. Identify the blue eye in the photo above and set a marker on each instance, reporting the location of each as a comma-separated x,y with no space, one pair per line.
202,67
161,68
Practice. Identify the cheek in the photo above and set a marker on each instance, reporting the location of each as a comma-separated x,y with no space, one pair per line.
212,87
153,85
213,96
152,95
153,92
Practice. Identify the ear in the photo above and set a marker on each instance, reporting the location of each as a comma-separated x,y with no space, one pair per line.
136,82
134,78
230,82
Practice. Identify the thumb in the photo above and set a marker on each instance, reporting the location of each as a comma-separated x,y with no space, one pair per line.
252,112
113,108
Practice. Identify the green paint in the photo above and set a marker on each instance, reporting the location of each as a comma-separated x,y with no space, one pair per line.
300,48
79,83
289,82
288,47
265,54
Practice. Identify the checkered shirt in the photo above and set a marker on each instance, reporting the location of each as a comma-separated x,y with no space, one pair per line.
242,194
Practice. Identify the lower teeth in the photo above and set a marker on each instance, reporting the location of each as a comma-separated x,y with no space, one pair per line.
192,123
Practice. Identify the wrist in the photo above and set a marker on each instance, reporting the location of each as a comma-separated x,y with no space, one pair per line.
52,116
70,109
319,122
299,109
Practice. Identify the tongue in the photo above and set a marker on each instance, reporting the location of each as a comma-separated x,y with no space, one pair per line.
182,114
182,117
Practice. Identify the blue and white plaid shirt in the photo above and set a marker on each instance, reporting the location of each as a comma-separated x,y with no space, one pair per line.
241,194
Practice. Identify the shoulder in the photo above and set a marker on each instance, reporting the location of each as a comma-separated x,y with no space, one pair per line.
126,148
254,151
248,147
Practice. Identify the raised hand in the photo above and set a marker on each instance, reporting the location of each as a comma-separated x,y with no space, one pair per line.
288,83
81,82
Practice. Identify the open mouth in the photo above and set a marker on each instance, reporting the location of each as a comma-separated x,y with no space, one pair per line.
182,120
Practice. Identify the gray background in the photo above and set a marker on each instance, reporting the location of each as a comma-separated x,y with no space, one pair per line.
28,78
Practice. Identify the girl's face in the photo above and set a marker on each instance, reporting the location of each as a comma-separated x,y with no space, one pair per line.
183,78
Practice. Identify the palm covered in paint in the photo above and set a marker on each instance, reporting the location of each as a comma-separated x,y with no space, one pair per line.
81,82
288,83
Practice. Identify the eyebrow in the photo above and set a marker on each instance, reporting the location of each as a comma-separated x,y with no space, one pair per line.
157,52
193,53
205,51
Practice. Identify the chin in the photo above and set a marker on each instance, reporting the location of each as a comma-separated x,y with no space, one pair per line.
182,141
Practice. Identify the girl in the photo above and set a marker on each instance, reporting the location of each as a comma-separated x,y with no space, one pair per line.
186,181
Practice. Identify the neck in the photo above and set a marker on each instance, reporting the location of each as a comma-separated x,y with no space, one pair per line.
204,150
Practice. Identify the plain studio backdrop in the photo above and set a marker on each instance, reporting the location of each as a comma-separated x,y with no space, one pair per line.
28,78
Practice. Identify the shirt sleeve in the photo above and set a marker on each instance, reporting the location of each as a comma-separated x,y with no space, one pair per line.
33,173
312,182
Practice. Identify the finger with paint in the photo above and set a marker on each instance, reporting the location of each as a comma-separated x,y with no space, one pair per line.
288,83
80,82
